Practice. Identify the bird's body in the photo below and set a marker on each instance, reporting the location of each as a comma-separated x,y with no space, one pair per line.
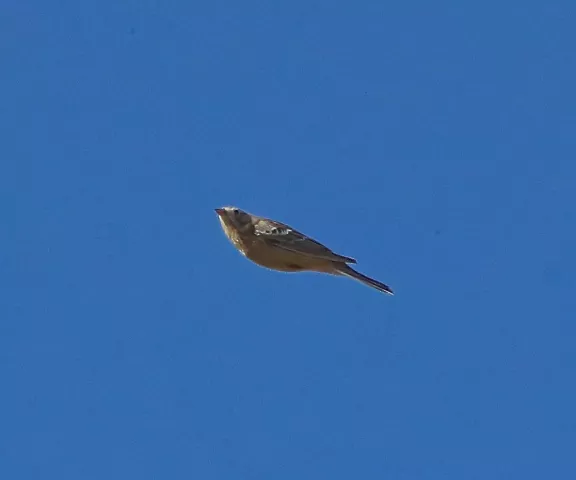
277,246
290,261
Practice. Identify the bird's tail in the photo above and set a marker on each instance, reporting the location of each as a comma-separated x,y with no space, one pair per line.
350,272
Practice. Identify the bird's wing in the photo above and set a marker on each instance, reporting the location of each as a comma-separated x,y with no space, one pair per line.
282,236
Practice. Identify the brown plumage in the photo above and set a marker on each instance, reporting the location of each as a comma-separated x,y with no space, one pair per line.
277,246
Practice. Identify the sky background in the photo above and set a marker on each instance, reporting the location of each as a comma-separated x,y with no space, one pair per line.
433,141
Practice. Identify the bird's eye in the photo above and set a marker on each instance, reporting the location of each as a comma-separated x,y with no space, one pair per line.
236,211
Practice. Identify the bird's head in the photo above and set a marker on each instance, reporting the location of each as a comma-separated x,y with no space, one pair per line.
233,217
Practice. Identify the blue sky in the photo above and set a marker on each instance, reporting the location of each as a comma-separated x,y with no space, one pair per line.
434,142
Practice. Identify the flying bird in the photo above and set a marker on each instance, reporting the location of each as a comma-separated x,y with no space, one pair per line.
277,246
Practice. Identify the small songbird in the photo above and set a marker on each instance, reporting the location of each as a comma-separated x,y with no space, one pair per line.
277,246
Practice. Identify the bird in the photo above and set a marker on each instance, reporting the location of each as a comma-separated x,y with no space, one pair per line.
278,246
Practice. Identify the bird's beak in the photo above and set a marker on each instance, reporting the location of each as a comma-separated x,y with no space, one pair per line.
219,211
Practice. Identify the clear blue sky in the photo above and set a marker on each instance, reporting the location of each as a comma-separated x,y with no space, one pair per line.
433,141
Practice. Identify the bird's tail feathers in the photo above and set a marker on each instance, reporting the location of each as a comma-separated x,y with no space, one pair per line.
350,272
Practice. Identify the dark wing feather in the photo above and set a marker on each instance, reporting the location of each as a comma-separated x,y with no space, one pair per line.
282,236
